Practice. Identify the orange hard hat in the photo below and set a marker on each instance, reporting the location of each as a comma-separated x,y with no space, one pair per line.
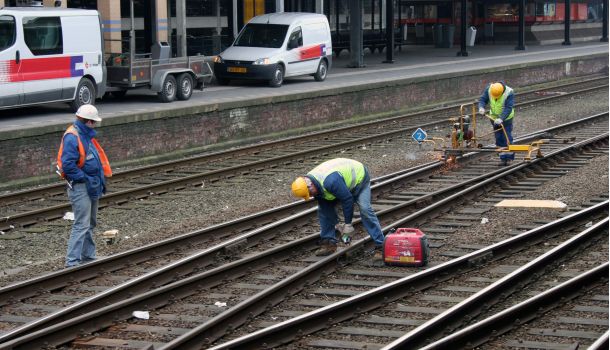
496,90
300,189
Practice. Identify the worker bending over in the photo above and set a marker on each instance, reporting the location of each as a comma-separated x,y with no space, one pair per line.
501,100
346,181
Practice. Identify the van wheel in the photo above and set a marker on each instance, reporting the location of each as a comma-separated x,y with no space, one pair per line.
278,77
185,86
322,71
168,90
85,94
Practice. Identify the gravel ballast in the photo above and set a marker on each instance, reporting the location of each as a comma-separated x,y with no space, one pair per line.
166,216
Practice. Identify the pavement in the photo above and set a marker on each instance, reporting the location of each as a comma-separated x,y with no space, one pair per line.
411,62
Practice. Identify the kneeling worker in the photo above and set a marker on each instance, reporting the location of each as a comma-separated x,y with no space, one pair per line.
346,181
501,100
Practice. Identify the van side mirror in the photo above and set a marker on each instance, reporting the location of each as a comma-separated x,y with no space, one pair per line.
292,44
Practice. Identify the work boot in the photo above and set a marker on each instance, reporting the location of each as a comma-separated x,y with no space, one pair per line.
326,248
503,162
378,253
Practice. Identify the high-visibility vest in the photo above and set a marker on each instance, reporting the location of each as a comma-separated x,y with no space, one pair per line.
81,150
496,106
351,171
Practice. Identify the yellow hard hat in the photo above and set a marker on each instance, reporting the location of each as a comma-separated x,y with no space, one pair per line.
496,89
300,189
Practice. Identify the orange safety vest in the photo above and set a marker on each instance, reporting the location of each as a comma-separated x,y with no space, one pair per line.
81,149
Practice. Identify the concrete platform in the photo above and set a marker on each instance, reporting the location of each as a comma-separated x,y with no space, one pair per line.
251,111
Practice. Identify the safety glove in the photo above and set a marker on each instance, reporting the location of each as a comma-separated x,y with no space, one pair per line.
346,231
498,121
481,110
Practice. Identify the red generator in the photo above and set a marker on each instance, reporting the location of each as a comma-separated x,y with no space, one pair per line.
406,247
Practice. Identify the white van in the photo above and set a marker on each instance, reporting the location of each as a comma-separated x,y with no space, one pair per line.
277,45
48,55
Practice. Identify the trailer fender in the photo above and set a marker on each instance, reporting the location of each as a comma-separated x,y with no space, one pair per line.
157,81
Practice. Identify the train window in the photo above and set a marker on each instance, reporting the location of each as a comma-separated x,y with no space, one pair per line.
43,35
7,32
262,35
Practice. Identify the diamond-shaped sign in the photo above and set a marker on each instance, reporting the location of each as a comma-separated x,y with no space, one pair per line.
419,135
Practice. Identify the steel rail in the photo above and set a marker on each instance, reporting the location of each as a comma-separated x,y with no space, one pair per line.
411,220
272,144
316,320
451,319
158,297
190,263
601,343
57,211
152,298
235,315
26,288
477,334
167,273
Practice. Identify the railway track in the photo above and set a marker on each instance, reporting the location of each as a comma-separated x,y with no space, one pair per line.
545,320
23,209
290,237
443,298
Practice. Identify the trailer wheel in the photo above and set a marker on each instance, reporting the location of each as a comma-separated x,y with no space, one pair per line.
321,72
85,94
185,86
168,90
278,77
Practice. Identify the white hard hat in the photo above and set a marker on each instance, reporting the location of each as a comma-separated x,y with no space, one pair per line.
88,112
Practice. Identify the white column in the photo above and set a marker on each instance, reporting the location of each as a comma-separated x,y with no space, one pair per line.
319,6
235,19
279,5
181,27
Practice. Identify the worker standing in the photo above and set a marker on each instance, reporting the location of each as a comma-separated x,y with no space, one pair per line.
346,181
82,162
501,100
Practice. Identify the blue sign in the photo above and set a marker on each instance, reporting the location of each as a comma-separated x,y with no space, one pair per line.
419,135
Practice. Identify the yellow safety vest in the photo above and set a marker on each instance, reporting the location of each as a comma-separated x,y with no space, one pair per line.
351,171
497,105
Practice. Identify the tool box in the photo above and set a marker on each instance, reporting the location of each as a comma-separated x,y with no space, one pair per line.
406,247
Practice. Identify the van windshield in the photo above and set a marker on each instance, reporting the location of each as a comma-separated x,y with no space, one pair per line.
262,35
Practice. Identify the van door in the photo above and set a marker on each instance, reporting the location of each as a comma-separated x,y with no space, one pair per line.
296,61
44,71
315,36
11,83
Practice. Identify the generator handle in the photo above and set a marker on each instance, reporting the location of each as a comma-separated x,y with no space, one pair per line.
409,230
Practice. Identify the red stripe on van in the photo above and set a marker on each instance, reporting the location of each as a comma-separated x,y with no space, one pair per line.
41,68
310,52
45,68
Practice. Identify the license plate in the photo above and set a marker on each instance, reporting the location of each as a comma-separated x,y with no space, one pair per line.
237,70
